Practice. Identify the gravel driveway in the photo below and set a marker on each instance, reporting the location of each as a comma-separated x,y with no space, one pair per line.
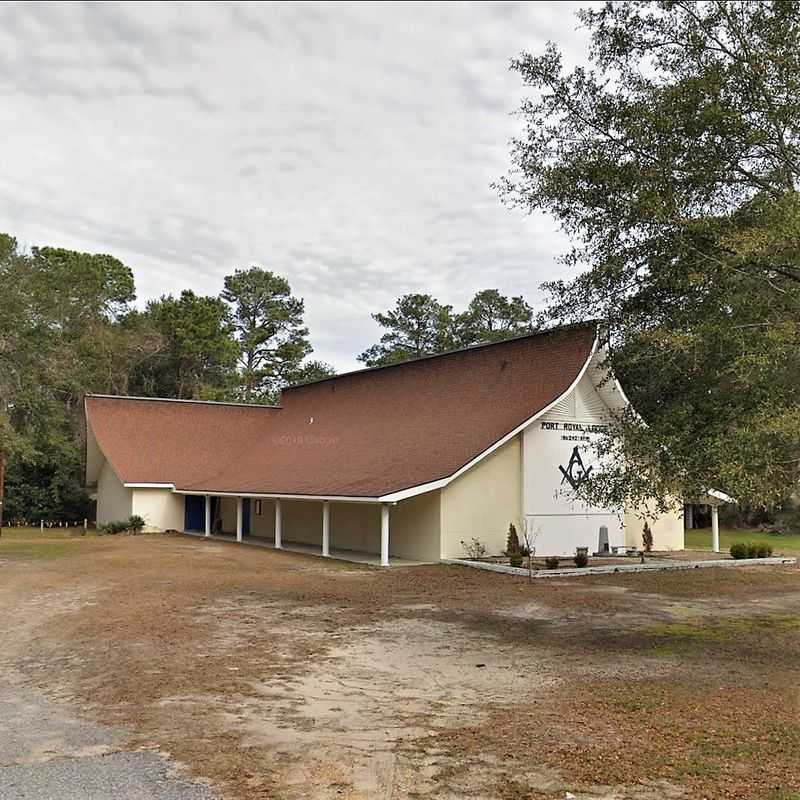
48,754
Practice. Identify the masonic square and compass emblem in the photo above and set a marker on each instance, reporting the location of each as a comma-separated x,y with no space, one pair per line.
575,472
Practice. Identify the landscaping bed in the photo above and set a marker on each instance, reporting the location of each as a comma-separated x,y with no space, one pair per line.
600,567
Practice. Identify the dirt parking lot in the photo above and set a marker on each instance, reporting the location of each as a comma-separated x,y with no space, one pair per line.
277,675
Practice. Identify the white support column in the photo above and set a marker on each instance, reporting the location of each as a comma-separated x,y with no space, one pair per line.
715,528
239,518
278,525
384,534
208,515
326,528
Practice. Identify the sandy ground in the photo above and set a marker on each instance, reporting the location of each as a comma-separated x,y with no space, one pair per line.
277,675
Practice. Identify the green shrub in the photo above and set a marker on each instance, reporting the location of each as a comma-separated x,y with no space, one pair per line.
515,560
739,550
764,551
752,550
135,523
581,559
111,528
551,562
512,541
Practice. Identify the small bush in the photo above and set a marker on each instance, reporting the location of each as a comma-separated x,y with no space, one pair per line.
135,523
647,538
474,548
738,550
111,528
551,562
581,559
515,560
750,550
512,541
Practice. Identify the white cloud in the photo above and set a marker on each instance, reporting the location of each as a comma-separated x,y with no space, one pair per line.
348,147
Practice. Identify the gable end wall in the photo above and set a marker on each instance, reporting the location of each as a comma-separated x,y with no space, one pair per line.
482,502
114,501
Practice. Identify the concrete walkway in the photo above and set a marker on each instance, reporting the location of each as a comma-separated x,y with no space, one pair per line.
354,556
48,754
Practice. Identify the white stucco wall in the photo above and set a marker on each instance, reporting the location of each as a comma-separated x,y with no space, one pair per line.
668,530
301,521
483,502
161,509
414,528
227,512
263,524
561,441
114,501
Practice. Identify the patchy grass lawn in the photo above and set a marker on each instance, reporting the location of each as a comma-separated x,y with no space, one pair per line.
783,543
35,534
273,674
33,543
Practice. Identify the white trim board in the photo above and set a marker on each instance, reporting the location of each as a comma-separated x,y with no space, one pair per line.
273,496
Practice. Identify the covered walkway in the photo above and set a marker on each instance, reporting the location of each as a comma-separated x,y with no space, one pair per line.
352,530
353,556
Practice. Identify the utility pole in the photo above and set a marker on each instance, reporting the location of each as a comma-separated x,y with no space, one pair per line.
2,487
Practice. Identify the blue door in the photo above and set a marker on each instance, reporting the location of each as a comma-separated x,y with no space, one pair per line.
246,516
195,512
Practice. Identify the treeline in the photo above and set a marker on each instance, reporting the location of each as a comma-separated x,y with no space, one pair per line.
68,327
419,325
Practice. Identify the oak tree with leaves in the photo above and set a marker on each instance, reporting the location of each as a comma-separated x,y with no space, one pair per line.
673,163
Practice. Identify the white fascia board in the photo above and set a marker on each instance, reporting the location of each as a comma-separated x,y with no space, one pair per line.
412,491
170,486
273,496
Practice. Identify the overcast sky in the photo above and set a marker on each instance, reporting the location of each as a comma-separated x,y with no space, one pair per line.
348,147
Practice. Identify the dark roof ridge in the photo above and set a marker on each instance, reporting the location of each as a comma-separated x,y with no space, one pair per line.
468,348
180,400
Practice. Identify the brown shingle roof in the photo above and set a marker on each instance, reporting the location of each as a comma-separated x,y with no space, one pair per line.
364,434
